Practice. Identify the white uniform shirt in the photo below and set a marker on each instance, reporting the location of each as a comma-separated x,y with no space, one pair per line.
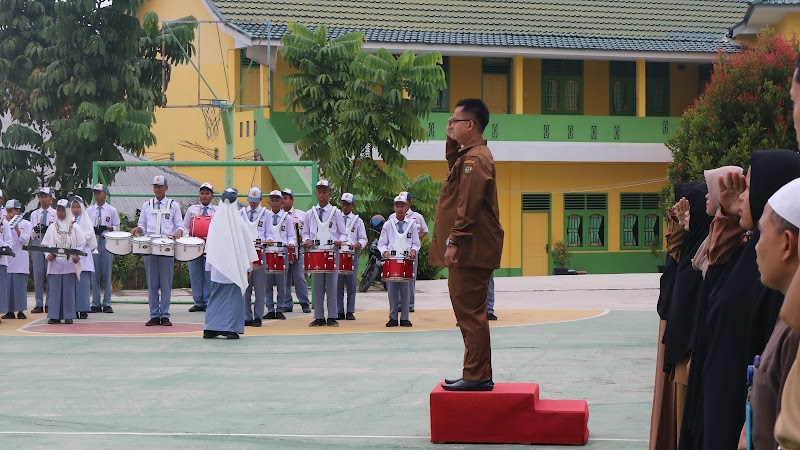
354,230
171,221
196,210
62,266
87,262
422,226
336,227
299,219
108,216
389,233
36,218
285,230
5,240
20,263
259,214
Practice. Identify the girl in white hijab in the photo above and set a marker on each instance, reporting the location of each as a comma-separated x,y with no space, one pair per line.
62,272
82,289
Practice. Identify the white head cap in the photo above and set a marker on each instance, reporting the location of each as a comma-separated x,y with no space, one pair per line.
786,202
288,192
63,203
400,199
348,197
254,194
100,187
46,191
275,193
160,180
323,183
404,196
207,186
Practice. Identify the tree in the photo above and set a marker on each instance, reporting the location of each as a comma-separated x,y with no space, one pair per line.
745,107
81,80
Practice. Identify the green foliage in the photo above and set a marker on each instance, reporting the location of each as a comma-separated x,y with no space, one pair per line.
561,255
81,81
745,107
426,271
122,266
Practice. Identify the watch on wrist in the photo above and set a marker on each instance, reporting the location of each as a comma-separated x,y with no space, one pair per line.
450,243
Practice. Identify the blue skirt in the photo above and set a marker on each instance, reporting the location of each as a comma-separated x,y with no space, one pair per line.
225,310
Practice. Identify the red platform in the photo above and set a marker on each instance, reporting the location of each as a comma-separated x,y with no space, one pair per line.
512,413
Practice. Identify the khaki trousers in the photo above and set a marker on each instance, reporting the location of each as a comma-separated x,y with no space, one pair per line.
468,287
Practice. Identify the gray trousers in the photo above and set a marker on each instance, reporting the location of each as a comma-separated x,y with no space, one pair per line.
5,294
490,295
349,282
398,296
82,292
325,288
159,271
61,296
296,274
258,282
103,262
277,282
17,299
39,274
200,281
412,285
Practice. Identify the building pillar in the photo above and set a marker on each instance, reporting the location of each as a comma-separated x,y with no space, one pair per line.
263,83
641,88
517,85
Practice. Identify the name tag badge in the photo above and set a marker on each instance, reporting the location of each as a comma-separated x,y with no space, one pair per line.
260,224
408,235
300,225
330,225
108,219
283,228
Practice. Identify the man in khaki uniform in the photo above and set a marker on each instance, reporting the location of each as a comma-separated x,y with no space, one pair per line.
468,238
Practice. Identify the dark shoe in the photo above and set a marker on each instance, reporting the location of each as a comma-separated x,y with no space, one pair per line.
405,323
83,315
340,316
9,316
53,321
21,315
287,310
37,310
332,323
196,308
153,322
350,316
232,335
211,334
269,316
492,316
451,381
46,308
279,315
248,323
165,322
466,385
256,323
317,323
306,309
108,309
68,321
96,309
391,323
410,309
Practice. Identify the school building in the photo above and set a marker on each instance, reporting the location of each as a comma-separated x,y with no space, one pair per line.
582,94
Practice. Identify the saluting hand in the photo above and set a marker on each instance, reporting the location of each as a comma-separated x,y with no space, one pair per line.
682,209
730,187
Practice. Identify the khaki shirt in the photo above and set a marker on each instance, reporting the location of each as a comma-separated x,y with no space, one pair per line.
467,211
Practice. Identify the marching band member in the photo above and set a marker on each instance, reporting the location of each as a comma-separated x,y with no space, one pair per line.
326,226
399,235
6,240
19,265
159,216
82,288
278,229
296,272
199,277
62,272
3,210
41,219
422,228
229,254
254,215
105,218
356,238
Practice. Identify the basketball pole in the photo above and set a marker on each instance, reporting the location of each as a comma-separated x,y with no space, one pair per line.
227,128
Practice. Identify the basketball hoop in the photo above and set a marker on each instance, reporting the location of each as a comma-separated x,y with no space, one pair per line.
212,114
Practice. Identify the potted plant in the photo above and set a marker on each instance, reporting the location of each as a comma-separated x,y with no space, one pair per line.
561,257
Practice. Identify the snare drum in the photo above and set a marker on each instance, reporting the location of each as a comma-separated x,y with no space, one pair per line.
162,247
345,262
189,248
119,243
320,261
276,261
398,268
141,245
199,226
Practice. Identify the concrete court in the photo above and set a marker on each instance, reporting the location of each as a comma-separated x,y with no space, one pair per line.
363,389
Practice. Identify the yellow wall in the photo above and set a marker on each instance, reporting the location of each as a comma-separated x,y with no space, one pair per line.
683,86
466,79
790,23
596,88
279,90
533,86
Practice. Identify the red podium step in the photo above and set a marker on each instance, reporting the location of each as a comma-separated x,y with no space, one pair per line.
512,413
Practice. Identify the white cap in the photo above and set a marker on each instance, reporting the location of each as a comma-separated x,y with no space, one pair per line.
275,193
254,195
13,204
323,183
400,199
160,180
786,202
46,191
99,187
207,186
348,197
288,191
63,203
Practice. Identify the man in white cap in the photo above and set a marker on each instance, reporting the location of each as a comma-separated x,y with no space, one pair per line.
41,220
105,218
355,238
18,265
199,277
324,231
296,272
159,216
62,272
254,216
422,229
279,232
399,237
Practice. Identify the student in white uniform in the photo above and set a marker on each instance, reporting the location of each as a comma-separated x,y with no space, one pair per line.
253,215
19,265
422,228
6,240
83,301
199,277
399,237
279,230
105,218
62,271
296,272
41,220
355,238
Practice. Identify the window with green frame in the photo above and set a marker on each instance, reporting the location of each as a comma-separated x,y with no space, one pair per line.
443,104
562,86
641,223
585,217
657,77
622,83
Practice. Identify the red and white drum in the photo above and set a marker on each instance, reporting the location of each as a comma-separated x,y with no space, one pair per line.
199,226
398,268
320,261
259,263
345,262
275,261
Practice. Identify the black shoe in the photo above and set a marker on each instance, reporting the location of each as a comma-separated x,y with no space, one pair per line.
306,309
269,316
108,309
405,323
466,385
37,310
165,322
196,308
153,322
83,315
248,323
391,323
9,316
279,315
332,323
21,315
317,323
350,316
211,334
96,309
68,321
53,321
232,335
410,309
287,310
340,316
256,323
46,308
451,381
492,316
